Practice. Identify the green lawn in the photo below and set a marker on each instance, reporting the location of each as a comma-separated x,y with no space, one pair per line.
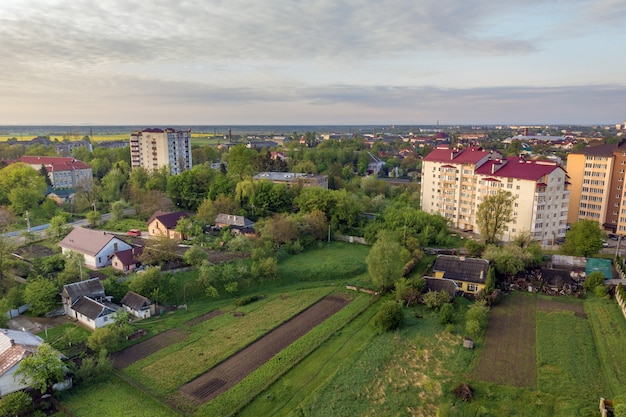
113,397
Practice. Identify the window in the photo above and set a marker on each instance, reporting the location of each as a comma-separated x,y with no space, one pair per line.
472,287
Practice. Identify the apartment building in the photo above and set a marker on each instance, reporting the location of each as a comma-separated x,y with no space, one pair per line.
456,181
597,177
156,148
63,172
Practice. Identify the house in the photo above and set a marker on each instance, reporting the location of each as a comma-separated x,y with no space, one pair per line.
375,165
16,345
96,246
163,223
138,305
94,314
127,260
87,302
231,220
469,274
441,284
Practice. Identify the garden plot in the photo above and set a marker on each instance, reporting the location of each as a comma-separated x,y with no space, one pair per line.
508,357
141,350
234,369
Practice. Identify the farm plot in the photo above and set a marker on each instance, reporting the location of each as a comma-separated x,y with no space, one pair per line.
141,350
204,317
554,305
231,371
508,356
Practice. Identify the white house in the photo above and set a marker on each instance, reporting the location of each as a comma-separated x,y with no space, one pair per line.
137,305
96,246
86,302
16,345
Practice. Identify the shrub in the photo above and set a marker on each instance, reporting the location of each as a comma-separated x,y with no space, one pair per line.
388,317
593,280
247,300
620,410
435,299
446,314
601,291
15,403
473,327
476,318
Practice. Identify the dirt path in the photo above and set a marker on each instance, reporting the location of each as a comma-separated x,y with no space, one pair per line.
204,317
141,350
234,369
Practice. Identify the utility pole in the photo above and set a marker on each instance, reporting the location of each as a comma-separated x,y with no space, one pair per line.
27,222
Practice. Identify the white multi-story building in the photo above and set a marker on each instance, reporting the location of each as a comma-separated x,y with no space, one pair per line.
63,172
157,148
456,181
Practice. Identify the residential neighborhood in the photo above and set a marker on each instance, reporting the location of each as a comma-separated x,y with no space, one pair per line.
378,234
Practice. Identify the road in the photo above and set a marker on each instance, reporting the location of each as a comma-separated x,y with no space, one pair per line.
18,238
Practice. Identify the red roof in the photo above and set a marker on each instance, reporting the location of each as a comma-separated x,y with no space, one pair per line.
168,219
129,256
54,163
470,155
516,167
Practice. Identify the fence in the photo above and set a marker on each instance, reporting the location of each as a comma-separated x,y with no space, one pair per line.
351,239
17,311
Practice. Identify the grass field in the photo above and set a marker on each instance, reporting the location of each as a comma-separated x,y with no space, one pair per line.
572,348
113,397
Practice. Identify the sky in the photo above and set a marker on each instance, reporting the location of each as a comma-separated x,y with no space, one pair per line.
294,62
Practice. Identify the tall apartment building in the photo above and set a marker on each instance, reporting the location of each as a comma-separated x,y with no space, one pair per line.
456,181
597,176
157,148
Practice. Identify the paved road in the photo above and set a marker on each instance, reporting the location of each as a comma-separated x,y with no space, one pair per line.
41,230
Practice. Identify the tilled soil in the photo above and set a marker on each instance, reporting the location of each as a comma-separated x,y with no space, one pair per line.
204,317
554,305
141,350
234,369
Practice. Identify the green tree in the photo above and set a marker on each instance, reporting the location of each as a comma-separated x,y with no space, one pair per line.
388,317
42,369
58,226
493,215
446,313
386,260
435,299
117,210
40,293
195,255
585,238
147,283
93,217
21,186
595,279
104,338
240,161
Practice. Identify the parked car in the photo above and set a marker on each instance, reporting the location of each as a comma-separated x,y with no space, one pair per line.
134,232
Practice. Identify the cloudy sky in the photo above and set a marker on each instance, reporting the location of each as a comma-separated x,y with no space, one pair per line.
312,62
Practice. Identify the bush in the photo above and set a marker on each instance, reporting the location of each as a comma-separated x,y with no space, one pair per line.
601,291
436,299
593,280
388,317
446,314
476,318
473,327
15,403
247,300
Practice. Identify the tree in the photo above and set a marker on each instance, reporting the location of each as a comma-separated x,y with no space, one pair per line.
446,313
493,215
159,250
195,255
435,299
93,217
388,317
585,238
59,226
40,293
104,338
42,369
595,279
240,161
21,186
385,260
147,283
117,210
